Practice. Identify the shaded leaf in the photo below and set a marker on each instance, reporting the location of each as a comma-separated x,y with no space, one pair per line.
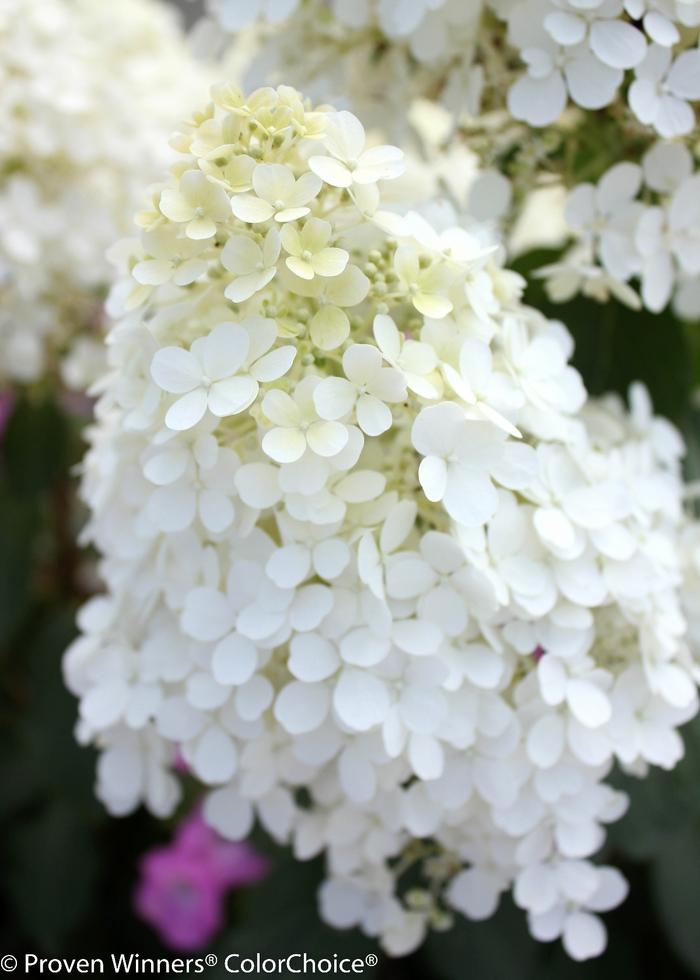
37,446
52,875
676,889
280,916
19,520
499,948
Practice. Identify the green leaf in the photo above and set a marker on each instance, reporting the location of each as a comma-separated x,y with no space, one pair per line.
662,804
37,448
280,916
19,521
676,889
499,948
52,875
655,813
39,756
691,431
616,346
624,957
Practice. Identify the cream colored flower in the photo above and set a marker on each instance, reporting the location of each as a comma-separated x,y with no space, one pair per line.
198,203
308,254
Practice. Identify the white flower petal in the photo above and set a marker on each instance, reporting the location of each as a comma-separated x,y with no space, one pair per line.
229,814
302,707
329,327
224,350
312,657
231,396
584,936
432,474
564,27
289,566
330,262
327,439
617,44
537,101
234,660
215,758
187,411
207,614
588,703
241,255
258,485
284,445
175,370
373,416
215,510
360,699
251,209
683,79
274,365
592,84
545,741
334,398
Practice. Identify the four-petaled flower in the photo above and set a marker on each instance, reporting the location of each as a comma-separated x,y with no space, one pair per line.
308,254
198,203
277,195
366,387
253,265
220,372
297,425
349,162
428,285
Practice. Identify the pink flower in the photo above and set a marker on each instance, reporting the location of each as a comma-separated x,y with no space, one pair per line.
183,885
179,898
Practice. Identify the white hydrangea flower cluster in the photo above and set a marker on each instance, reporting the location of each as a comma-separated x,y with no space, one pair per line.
376,570
581,51
637,223
89,91
584,50
376,58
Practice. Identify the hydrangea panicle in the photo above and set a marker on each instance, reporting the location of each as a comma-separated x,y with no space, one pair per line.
363,533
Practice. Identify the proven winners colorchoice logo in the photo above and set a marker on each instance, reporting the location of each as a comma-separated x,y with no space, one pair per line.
234,963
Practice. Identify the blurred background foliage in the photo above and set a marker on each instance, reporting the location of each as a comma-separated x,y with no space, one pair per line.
69,870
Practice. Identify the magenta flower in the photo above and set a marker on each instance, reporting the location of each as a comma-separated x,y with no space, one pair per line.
179,898
183,885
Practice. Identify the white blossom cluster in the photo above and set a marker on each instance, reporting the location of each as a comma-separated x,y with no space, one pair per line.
376,570
584,50
88,92
378,57
639,223
383,54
